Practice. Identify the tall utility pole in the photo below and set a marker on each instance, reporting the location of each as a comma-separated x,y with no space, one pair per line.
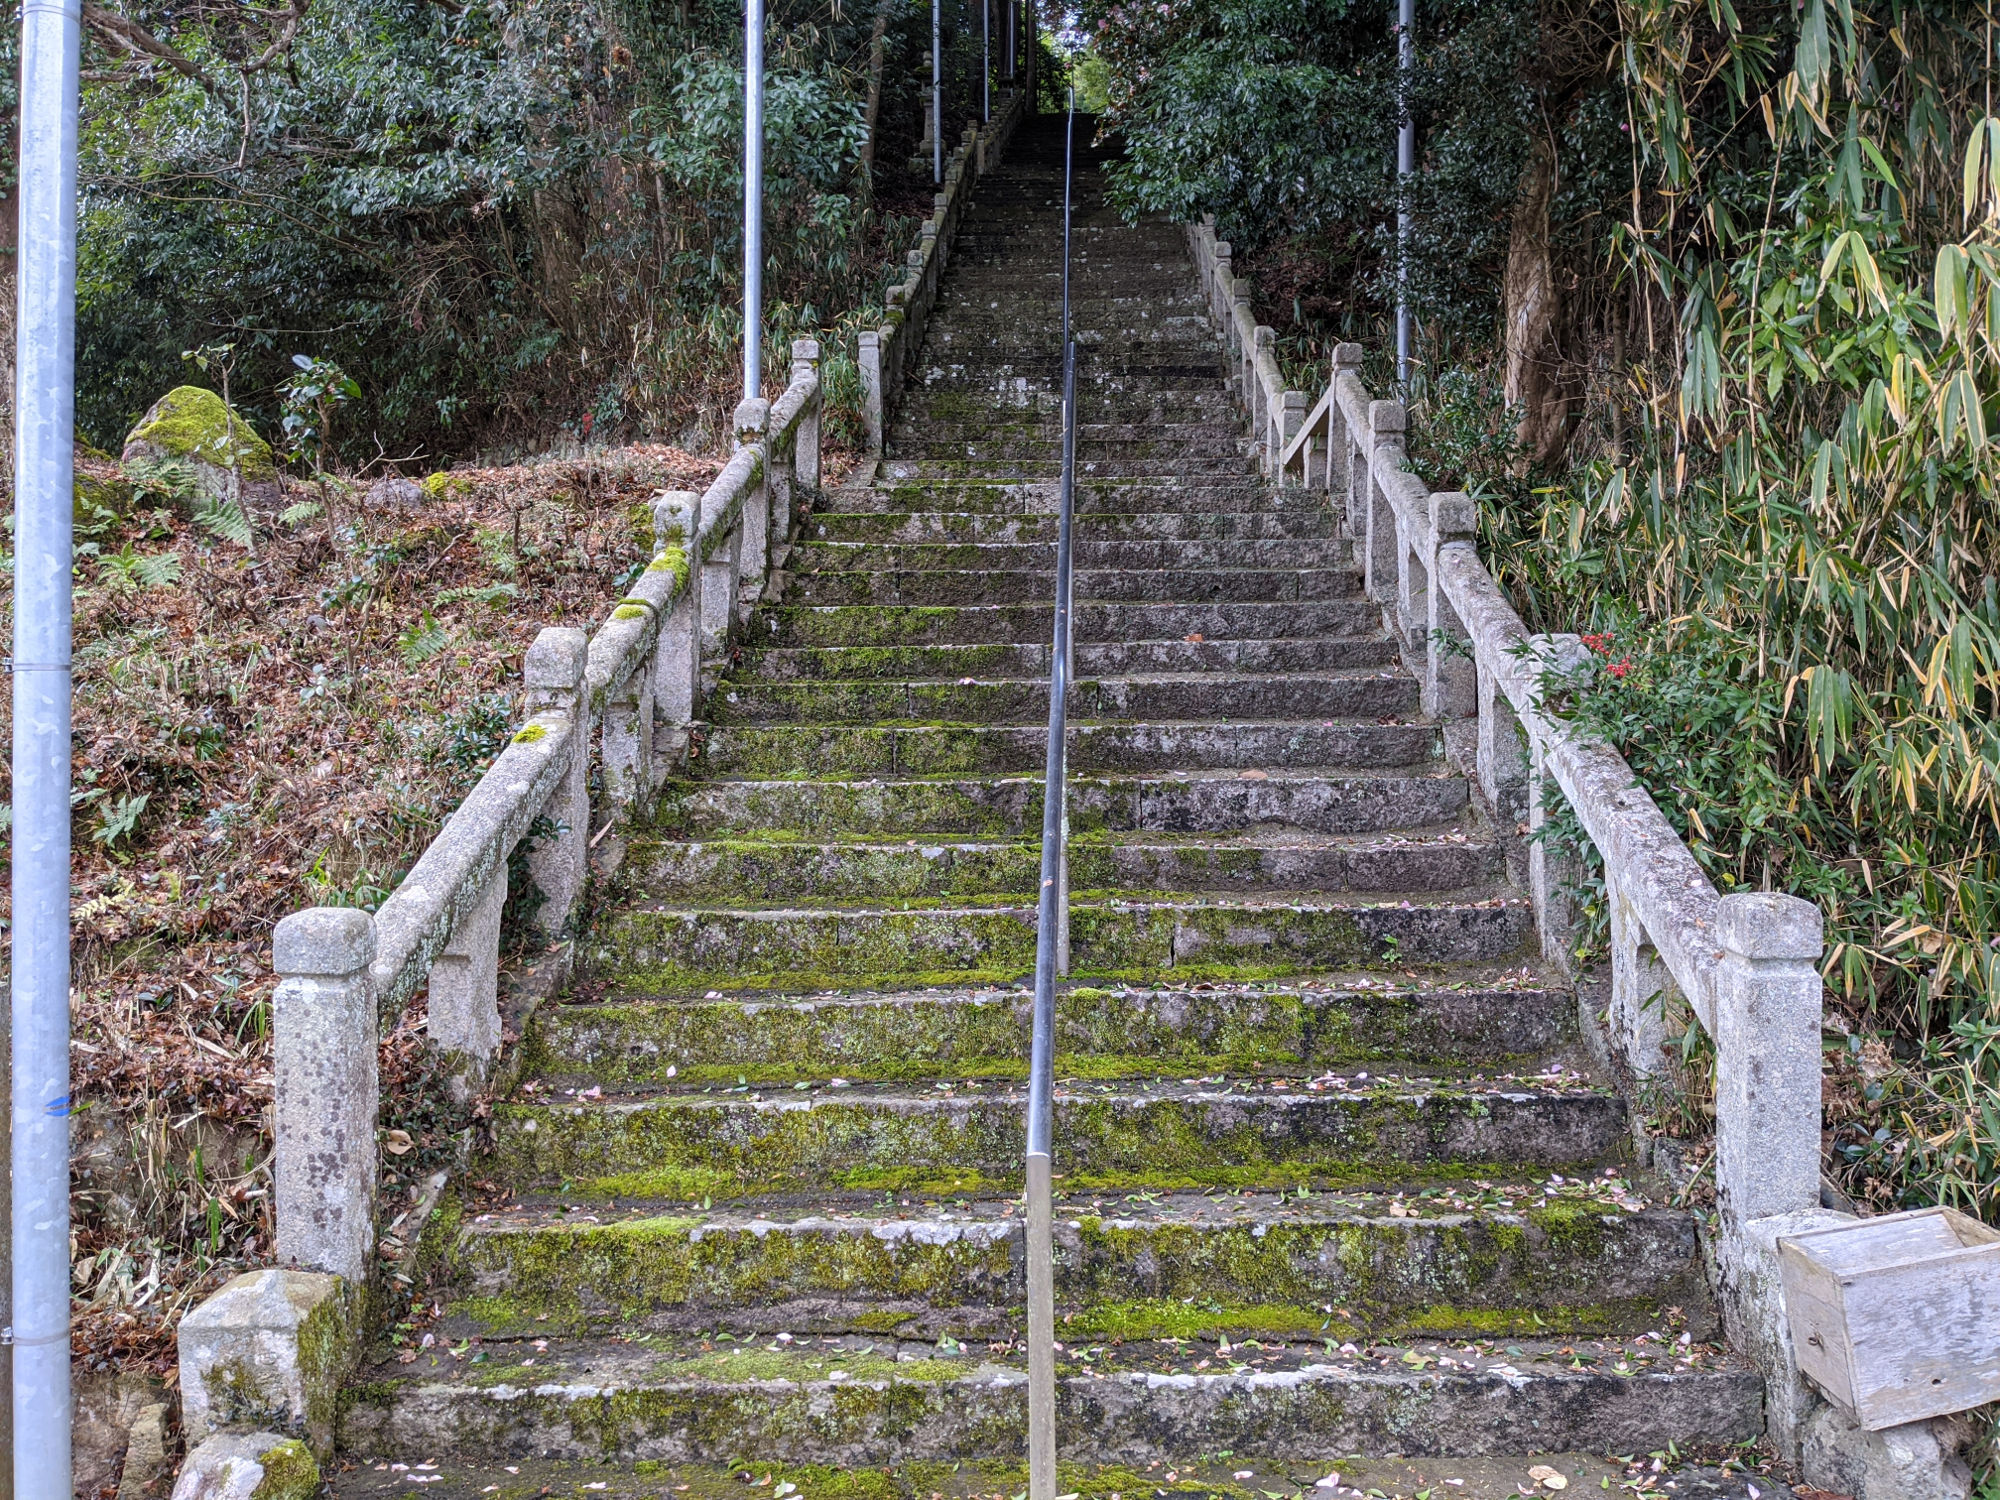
1406,166
986,61
44,432
937,91
753,199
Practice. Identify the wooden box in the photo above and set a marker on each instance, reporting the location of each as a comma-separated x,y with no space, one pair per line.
1897,1318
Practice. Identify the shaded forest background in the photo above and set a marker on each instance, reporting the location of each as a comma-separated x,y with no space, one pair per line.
1708,313
503,220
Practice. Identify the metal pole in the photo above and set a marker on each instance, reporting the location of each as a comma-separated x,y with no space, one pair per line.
753,199
937,91
1406,165
44,430
1050,938
986,61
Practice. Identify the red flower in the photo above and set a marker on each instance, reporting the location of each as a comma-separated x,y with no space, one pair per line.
1620,668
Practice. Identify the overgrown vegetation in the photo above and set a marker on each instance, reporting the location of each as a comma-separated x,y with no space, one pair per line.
1719,354
503,221
261,732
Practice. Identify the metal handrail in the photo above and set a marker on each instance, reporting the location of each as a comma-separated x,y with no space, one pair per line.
1051,933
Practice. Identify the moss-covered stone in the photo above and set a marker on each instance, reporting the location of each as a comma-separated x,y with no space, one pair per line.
290,1473
192,424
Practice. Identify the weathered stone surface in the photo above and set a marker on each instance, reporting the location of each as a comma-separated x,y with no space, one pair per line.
259,1466
191,425
269,1350
393,492
609,1401
1900,1463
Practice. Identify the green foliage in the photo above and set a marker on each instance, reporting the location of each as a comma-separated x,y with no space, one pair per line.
126,571
223,519
464,221
1279,118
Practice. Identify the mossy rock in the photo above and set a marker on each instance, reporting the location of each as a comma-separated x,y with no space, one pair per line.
193,425
97,501
289,1473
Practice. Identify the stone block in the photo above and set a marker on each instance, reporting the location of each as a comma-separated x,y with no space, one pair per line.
1911,1462
269,1351
256,1466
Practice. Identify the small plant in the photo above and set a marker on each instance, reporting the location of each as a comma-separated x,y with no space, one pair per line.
310,398
226,520
423,641
129,572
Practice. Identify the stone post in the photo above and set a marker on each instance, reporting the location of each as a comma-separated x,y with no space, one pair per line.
1291,417
324,1036
1339,442
558,861
718,578
1222,284
628,740
677,663
1451,683
1551,868
1501,757
753,562
1263,422
805,456
1386,421
868,354
464,1021
1767,1056
1641,987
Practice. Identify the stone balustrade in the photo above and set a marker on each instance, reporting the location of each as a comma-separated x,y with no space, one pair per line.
1745,965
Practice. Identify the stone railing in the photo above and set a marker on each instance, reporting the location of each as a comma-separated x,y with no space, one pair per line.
884,354
270,1348
1746,964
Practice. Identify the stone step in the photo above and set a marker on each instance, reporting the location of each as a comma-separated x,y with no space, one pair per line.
1105,406
1087,554
1160,495
1211,935
963,586
1219,453
859,663
971,526
1326,802
748,867
860,1402
951,749
976,373
1496,1476
1005,433
926,470
1594,1260
1498,1018
1096,623
1356,693
968,1138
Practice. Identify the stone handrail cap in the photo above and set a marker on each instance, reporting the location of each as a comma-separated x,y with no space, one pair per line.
1454,514
556,658
324,940
807,349
751,415
676,513
1764,924
1386,416
1347,356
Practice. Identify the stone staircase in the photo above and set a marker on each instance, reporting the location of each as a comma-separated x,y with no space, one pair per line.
1333,1175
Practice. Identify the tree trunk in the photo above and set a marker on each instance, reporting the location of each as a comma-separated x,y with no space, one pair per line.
873,116
1533,360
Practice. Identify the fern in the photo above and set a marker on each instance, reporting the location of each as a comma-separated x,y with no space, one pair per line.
293,515
126,571
422,641
224,519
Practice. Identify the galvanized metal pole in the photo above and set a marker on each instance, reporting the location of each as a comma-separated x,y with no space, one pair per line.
986,61
753,199
937,91
44,431
1051,937
1406,166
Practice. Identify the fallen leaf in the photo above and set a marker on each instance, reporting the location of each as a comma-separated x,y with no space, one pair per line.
397,1142
1195,637
1254,776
